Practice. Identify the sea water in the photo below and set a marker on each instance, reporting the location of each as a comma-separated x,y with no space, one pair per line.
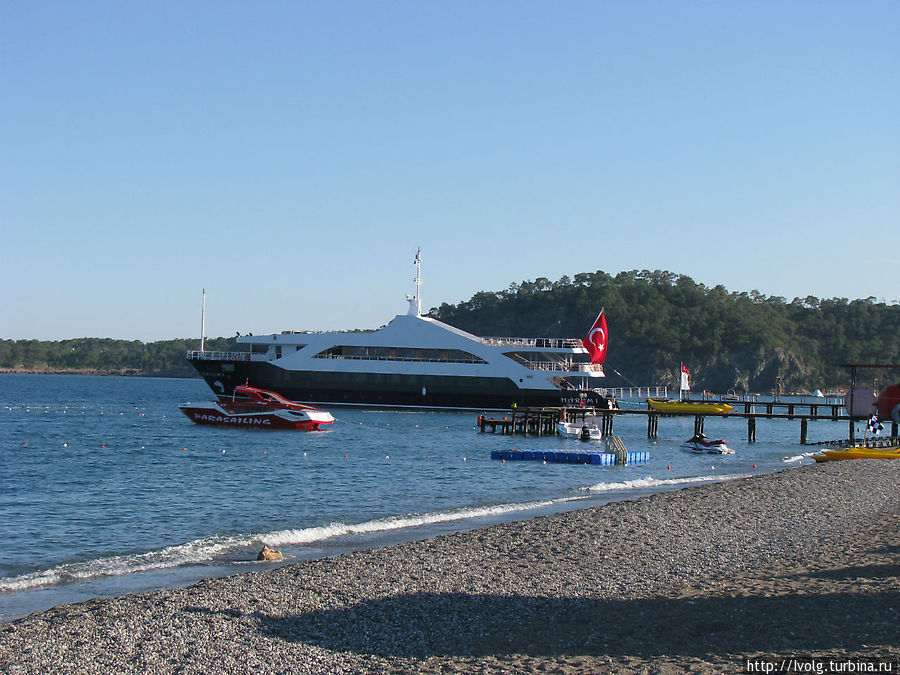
107,488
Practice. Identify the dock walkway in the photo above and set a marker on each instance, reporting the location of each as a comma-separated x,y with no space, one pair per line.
542,421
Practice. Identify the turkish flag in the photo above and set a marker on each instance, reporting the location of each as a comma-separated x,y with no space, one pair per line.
597,339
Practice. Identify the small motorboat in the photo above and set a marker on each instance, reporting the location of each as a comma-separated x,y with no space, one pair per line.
700,443
693,407
253,408
588,430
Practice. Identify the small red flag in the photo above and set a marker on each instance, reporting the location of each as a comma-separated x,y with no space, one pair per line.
685,375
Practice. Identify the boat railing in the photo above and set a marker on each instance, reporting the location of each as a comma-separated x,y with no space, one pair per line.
639,392
194,355
548,343
563,366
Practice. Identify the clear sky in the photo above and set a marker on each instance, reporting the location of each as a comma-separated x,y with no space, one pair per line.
290,156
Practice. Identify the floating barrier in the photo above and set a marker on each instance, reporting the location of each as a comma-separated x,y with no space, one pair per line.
562,457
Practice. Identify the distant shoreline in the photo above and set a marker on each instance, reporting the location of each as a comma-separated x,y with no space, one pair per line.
121,372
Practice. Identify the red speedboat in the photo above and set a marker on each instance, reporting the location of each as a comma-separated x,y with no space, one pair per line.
257,409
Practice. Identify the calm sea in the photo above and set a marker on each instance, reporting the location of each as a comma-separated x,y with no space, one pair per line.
107,488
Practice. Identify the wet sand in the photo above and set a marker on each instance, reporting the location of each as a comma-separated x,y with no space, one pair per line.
805,562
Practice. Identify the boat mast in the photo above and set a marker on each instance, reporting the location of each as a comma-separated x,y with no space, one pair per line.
418,263
203,321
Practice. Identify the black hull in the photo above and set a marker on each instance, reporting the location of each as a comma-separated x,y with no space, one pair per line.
385,390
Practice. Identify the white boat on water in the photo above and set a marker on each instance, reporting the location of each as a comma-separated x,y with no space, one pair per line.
414,361
587,430
700,443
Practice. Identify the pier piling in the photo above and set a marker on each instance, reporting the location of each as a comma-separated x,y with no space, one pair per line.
607,425
698,425
652,425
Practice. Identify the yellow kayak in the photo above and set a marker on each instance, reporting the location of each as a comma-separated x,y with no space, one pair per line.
858,452
695,407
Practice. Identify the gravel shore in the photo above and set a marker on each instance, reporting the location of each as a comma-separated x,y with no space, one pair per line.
805,562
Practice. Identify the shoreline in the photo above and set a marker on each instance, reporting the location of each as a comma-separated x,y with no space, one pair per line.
20,603
801,562
97,372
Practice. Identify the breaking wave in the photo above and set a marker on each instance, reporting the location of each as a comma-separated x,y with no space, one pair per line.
216,548
649,482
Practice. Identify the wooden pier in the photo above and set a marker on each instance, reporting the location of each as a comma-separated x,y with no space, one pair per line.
542,421
877,442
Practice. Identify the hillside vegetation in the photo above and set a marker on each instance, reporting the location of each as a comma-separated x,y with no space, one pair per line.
740,341
657,320
104,356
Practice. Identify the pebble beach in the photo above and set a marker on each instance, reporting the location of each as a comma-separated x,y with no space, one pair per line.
800,563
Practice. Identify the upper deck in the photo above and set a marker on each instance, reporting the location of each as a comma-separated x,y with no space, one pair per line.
534,343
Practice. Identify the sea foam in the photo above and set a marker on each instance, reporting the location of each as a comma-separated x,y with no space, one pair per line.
201,550
649,482
800,457
314,534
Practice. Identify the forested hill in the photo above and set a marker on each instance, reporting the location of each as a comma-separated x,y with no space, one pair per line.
657,320
728,340
105,356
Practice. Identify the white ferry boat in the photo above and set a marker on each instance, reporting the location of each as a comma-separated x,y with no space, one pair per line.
414,361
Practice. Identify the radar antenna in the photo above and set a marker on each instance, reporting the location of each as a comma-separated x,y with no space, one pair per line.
415,303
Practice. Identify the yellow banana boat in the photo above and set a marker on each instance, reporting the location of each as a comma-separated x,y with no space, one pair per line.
857,452
695,407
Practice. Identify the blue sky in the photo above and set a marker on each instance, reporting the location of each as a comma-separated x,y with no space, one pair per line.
289,157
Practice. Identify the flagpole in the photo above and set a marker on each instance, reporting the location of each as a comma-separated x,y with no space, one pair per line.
418,264
203,321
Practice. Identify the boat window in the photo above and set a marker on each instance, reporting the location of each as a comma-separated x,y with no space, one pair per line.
398,354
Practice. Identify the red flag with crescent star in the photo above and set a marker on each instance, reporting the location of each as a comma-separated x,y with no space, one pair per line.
597,339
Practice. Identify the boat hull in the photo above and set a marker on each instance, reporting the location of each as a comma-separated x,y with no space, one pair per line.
694,407
331,388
